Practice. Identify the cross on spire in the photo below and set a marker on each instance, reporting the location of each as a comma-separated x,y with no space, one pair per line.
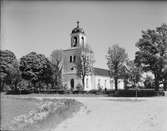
78,24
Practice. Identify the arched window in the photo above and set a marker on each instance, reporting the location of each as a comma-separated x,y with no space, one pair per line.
72,84
82,38
70,58
75,42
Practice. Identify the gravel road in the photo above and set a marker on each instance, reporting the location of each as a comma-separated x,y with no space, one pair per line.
118,114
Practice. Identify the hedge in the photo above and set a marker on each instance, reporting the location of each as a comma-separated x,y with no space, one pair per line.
16,92
138,93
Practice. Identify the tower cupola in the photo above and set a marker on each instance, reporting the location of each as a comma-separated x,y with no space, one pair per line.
78,36
78,29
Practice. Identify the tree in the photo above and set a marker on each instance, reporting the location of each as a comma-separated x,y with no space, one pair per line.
9,71
56,59
84,64
165,78
116,58
35,68
148,82
152,53
134,72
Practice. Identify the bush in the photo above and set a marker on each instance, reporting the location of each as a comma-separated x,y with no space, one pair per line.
79,87
50,91
79,92
16,92
96,92
93,91
140,93
109,92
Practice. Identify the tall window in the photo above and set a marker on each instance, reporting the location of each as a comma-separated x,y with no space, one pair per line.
70,58
75,42
82,38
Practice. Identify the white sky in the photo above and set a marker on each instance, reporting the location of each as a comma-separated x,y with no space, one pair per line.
43,26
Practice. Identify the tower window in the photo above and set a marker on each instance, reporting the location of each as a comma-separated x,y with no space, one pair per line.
70,58
75,42
82,38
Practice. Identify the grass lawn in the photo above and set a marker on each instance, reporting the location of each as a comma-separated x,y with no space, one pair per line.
12,106
39,114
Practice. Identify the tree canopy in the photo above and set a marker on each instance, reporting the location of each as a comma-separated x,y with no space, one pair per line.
152,53
9,71
35,67
133,72
57,58
84,64
116,59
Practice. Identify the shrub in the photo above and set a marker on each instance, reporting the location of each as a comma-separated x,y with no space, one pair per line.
96,92
109,92
79,87
20,91
79,92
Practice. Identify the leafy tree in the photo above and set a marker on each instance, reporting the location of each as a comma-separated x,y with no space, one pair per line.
165,78
116,58
84,64
9,71
56,59
152,54
148,82
35,68
133,73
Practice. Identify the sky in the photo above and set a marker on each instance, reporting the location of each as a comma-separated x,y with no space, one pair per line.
43,26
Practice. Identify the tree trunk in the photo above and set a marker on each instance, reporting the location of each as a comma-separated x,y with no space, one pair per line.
156,84
2,86
116,83
125,84
83,82
15,85
165,86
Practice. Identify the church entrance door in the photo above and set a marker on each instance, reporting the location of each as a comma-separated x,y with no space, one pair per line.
72,84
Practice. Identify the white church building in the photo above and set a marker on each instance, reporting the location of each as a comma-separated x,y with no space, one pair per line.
100,77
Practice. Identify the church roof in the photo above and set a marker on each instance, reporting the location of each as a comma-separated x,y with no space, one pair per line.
78,29
101,72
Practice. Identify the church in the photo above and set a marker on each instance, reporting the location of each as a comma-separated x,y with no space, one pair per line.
99,79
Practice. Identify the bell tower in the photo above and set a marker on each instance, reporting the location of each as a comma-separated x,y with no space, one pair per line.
71,55
78,37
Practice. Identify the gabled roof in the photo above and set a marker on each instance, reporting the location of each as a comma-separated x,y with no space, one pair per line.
101,72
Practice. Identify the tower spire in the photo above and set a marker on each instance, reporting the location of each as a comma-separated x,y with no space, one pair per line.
78,24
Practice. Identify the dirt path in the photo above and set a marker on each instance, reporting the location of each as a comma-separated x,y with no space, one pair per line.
119,114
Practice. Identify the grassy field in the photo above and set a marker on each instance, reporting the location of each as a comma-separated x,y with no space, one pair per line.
27,113
11,106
